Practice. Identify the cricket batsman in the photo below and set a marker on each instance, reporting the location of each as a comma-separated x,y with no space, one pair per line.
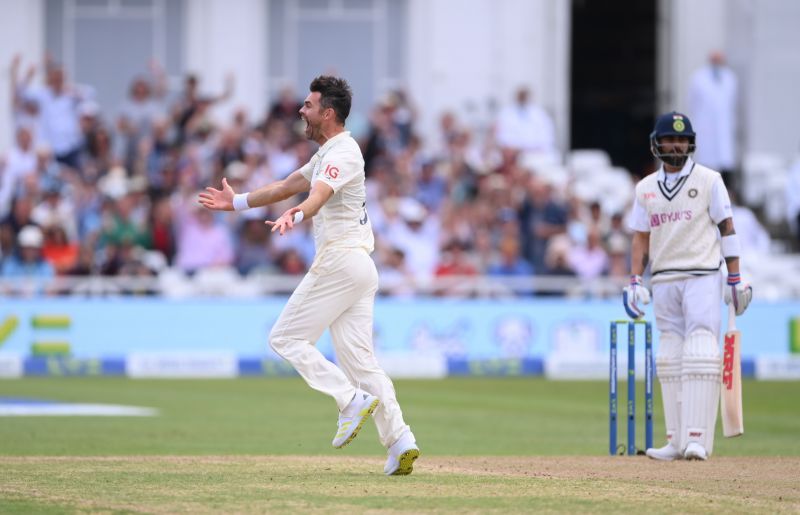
338,292
683,228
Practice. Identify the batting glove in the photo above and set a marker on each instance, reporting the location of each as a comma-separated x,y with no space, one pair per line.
635,295
739,293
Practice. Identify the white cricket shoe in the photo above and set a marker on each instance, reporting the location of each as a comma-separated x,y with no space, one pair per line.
695,451
666,453
402,455
353,416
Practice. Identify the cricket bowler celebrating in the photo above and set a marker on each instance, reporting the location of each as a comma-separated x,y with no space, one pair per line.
338,292
683,227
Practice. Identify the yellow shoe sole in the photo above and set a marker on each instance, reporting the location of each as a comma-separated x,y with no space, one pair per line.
406,460
364,414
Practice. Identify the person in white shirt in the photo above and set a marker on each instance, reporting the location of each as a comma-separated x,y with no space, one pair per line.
676,215
338,292
713,101
526,126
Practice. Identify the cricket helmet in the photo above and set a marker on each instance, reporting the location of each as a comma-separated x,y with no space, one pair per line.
672,124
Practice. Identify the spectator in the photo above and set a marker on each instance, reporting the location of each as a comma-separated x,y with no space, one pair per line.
203,241
509,261
190,109
396,280
713,101
28,262
12,224
161,227
454,261
59,106
252,249
142,108
19,162
541,217
285,109
525,126
416,234
588,259
58,250
56,209
290,262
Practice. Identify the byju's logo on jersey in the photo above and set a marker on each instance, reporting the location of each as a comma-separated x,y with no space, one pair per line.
657,219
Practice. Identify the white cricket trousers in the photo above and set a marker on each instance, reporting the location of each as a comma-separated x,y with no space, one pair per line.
338,292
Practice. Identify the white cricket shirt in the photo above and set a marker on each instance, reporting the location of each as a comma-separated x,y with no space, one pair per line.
342,222
681,212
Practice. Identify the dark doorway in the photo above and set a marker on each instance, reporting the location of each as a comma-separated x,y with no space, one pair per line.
614,79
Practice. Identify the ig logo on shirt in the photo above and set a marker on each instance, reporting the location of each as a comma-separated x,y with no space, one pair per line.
331,172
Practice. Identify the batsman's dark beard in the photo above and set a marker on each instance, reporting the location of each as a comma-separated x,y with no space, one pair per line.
677,160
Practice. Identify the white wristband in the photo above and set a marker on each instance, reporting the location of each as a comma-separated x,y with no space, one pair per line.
730,246
298,217
240,202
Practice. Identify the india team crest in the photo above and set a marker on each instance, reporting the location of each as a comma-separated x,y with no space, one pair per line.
679,126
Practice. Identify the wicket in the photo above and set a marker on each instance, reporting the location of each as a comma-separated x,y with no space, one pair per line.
648,387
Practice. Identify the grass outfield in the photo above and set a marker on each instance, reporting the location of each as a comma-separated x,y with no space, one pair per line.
262,444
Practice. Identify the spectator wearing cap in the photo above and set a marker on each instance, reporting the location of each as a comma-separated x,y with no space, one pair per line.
27,261
416,234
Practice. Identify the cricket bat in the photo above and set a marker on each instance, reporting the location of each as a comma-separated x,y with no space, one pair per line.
731,391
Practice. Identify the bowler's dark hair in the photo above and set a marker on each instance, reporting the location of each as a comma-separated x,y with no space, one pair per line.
334,93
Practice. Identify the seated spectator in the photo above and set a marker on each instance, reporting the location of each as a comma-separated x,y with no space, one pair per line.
588,259
454,261
27,262
58,250
290,262
396,280
56,209
203,242
509,261
161,227
252,249
11,225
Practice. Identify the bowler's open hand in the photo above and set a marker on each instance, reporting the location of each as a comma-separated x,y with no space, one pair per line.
219,200
285,222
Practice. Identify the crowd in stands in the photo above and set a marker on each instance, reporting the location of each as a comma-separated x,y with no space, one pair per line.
87,189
